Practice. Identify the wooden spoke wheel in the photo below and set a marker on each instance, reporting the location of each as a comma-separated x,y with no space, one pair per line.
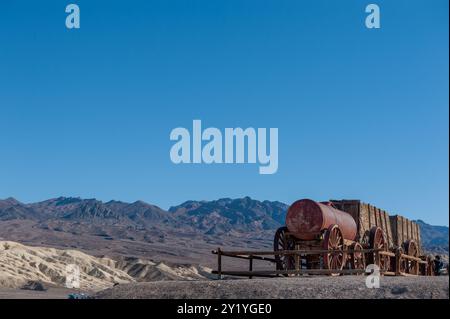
402,261
377,240
334,242
282,241
412,266
357,258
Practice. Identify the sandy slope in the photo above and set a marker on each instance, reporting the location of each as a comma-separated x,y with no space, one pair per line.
20,263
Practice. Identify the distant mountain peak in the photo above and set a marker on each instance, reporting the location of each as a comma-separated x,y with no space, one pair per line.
140,202
226,214
434,238
112,201
11,200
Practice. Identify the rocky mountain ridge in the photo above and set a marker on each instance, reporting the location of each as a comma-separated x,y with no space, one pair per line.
185,232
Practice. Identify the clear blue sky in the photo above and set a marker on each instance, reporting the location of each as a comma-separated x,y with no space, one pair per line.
361,113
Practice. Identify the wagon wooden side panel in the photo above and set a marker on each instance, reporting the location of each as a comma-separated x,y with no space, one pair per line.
366,223
366,217
414,232
400,231
416,235
419,241
419,238
396,230
387,227
405,235
404,229
378,217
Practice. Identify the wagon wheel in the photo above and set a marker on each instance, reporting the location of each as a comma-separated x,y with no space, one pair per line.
402,261
377,241
412,266
334,241
283,242
357,258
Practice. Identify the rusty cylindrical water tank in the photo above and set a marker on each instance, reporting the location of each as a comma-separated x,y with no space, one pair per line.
306,219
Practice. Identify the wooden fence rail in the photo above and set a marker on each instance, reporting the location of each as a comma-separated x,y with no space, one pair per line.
262,255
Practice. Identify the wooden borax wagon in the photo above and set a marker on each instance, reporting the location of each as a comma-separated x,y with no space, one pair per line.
348,234
338,237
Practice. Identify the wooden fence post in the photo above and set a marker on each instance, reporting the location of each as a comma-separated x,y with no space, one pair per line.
219,263
398,259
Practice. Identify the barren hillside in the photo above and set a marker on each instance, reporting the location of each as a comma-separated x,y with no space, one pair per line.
20,264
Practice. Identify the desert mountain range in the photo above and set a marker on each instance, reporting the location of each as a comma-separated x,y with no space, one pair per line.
183,234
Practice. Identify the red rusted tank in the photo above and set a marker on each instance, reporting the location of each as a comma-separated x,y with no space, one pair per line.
306,219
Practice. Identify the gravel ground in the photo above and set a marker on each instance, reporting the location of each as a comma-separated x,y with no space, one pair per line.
50,293
345,287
